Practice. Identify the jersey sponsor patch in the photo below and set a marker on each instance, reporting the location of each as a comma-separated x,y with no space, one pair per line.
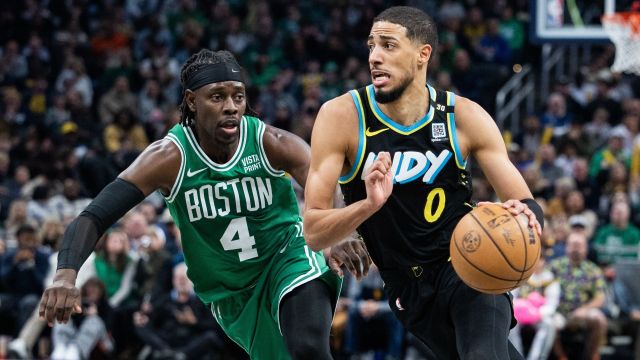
408,166
251,163
438,131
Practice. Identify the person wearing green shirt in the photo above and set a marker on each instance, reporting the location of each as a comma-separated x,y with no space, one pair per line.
619,239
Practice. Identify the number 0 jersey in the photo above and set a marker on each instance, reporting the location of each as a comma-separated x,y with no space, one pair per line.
233,217
431,190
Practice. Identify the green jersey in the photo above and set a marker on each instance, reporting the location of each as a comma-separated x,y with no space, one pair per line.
233,217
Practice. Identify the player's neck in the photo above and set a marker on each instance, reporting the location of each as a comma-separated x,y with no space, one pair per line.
410,107
216,151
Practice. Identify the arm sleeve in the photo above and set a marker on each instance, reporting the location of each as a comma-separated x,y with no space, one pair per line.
83,233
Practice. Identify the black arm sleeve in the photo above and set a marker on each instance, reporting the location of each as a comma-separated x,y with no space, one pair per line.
536,209
83,233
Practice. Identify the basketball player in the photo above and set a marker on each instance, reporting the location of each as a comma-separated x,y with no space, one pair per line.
399,149
223,178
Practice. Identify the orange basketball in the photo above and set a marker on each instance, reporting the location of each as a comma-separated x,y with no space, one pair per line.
492,251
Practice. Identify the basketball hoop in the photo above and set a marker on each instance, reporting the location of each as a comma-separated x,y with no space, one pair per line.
624,30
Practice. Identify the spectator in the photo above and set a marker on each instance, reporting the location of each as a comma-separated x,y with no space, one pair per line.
12,117
13,65
153,276
474,27
372,325
512,30
582,294
598,128
492,47
22,276
78,338
68,204
17,216
57,114
125,138
117,99
178,325
37,209
115,268
136,226
584,183
614,152
575,143
574,205
22,346
556,115
530,137
619,239
50,234
548,163
535,304
74,77
603,99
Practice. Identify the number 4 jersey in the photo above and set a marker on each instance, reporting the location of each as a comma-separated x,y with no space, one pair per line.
431,190
233,217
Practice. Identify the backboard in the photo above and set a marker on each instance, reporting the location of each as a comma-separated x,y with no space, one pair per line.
572,20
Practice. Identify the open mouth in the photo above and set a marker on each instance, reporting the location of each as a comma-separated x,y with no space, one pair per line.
380,78
230,126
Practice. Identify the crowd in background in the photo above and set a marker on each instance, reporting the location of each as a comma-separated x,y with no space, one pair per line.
86,85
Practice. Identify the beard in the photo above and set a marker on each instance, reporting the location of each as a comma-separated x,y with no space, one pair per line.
384,97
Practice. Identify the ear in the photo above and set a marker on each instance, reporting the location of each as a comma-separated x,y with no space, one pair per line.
424,54
190,99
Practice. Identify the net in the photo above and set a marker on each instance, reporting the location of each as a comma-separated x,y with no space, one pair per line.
624,30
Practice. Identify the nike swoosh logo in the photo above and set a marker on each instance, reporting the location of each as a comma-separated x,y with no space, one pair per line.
234,70
370,133
192,173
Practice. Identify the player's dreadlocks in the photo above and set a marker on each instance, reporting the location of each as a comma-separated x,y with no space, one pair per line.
191,67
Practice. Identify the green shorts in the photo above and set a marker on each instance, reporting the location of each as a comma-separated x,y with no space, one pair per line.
251,318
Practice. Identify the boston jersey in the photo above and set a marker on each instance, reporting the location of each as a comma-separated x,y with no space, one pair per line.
232,217
431,191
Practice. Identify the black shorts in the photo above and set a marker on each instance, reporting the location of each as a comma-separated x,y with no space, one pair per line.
452,319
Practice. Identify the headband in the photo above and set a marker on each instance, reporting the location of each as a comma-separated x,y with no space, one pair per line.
212,73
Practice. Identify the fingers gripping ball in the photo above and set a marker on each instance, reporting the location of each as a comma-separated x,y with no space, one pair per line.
492,251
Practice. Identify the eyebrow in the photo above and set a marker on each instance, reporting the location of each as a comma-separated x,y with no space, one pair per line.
383,37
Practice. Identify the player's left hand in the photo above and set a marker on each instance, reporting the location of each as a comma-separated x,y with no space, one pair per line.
352,253
517,207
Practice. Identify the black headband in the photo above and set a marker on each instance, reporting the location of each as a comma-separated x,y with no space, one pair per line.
212,73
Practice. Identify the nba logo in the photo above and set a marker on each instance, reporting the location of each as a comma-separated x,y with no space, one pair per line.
555,13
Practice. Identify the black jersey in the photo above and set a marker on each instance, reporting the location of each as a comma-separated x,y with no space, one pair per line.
431,191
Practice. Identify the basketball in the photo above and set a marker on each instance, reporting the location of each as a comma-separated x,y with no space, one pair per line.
492,251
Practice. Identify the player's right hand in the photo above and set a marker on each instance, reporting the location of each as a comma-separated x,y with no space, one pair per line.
352,254
378,180
60,299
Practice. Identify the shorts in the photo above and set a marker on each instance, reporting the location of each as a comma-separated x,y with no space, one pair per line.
251,318
424,300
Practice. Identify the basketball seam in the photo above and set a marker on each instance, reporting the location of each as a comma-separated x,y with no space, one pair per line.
496,244
474,265
498,289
